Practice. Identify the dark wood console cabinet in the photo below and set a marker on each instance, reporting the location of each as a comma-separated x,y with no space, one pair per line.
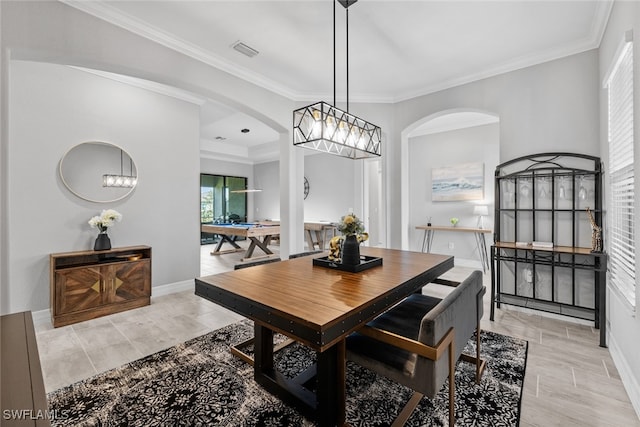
90,284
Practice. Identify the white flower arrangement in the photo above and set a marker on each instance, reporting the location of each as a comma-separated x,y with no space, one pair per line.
105,220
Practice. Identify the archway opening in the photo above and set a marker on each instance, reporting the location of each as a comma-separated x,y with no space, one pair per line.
448,170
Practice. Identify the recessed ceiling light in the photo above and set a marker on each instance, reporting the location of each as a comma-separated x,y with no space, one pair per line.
245,130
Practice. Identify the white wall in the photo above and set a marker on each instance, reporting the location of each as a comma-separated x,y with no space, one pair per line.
333,185
50,31
54,107
332,188
623,323
470,145
267,202
547,107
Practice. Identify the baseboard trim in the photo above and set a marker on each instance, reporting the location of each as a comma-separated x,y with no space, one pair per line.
41,316
471,263
629,382
172,288
546,314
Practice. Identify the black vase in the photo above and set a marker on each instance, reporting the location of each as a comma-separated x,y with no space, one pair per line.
103,242
351,251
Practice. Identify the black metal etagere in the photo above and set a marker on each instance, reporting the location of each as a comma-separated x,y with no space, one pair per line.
542,255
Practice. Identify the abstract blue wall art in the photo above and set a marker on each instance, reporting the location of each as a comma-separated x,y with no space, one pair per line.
460,182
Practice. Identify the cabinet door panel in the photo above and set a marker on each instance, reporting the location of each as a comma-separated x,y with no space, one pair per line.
79,289
130,281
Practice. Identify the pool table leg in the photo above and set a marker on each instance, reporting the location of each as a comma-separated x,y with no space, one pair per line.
225,238
262,245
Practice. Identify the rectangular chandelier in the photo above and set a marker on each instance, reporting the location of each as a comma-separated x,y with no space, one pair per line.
323,127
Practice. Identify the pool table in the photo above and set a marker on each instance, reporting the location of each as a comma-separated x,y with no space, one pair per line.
253,231
321,230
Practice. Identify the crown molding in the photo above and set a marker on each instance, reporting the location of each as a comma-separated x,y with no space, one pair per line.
507,67
205,154
113,16
599,23
466,122
210,155
147,84
598,27
313,97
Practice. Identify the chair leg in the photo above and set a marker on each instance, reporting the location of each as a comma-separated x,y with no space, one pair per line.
452,386
480,363
235,349
411,405
408,409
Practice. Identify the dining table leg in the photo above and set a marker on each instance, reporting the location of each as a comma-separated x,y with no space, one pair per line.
263,347
327,405
331,392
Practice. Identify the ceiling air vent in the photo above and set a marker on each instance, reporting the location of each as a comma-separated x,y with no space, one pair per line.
244,49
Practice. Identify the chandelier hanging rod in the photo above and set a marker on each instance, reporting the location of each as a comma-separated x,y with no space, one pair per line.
347,50
346,4
326,128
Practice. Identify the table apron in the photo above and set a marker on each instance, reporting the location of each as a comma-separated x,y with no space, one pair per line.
317,337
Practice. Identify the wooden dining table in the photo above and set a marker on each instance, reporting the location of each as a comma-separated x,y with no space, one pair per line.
318,307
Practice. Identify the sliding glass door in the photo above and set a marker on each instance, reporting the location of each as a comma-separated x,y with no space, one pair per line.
222,201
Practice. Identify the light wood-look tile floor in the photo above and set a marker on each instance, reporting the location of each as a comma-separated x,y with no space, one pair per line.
569,381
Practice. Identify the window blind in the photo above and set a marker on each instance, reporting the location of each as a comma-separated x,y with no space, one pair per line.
622,174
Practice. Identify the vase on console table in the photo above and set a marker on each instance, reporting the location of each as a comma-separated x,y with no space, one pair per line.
102,222
351,250
103,242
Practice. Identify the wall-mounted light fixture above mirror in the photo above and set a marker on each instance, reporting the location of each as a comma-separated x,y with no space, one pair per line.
98,172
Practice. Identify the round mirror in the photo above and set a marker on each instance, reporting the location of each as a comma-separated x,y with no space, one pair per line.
98,172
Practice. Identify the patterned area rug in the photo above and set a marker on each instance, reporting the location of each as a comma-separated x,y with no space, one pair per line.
199,383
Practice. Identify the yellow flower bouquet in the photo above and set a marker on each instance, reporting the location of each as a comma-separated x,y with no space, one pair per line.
350,225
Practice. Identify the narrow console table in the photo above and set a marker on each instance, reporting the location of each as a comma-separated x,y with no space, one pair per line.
479,234
24,401
89,284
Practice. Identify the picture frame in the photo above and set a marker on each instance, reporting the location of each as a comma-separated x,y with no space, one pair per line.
460,182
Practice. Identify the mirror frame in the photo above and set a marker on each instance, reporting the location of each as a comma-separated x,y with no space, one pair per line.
88,199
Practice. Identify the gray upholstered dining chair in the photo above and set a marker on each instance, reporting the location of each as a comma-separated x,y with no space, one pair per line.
236,349
417,342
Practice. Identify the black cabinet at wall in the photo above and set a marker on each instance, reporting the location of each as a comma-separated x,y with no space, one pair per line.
542,256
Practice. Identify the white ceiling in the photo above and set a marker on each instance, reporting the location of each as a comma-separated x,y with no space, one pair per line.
397,49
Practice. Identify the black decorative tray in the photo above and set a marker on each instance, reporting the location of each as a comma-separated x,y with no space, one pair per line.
366,262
